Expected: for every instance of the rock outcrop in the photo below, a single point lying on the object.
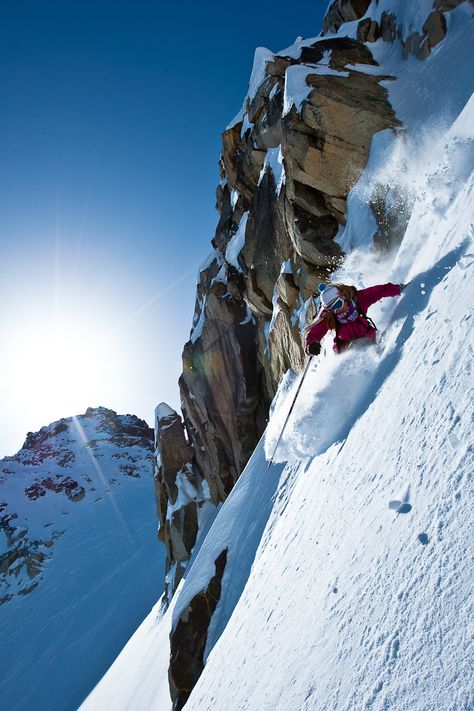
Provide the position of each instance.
(188, 640)
(179, 494)
(289, 161)
(341, 11)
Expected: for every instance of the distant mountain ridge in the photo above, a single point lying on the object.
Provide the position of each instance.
(76, 514)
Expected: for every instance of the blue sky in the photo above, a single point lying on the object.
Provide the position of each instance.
(110, 136)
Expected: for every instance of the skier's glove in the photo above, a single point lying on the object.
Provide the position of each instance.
(313, 349)
(402, 287)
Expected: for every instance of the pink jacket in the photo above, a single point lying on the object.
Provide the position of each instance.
(361, 327)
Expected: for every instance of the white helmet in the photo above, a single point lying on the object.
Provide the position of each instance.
(328, 294)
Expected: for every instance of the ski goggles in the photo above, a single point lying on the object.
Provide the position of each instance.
(336, 305)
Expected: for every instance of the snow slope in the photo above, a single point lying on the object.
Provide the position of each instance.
(132, 681)
(352, 590)
(360, 594)
(80, 563)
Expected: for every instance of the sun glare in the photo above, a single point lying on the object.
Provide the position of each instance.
(69, 344)
(57, 371)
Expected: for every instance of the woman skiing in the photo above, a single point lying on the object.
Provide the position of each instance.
(343, 310)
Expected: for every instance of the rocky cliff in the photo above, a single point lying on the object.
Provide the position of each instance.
(289, 161)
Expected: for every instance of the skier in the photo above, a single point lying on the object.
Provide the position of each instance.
(343, 310)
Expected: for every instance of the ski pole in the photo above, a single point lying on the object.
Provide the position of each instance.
(290, 410)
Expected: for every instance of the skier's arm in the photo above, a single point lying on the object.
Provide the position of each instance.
(314, 334)
(367, 297)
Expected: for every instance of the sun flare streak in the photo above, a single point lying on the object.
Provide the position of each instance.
(102, 477)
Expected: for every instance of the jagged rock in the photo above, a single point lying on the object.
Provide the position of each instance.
(161, 501)
(324, 153)
(207, 274)
(221, 390)
(435, 28)
(226, 218)
(341, 11)
(368, 30)
(284, 346)
(416, 44)
(230, 143)
(173, 472)
(277, 67)
(266, 241)
(308, 198)
(287, 289)
(242, 161)
(188, 638)
(267, 132)
(183, 527)
(343, 51)
(315, 236)
(388, 27)
(255, 297)
(175, 452)
(260, 100)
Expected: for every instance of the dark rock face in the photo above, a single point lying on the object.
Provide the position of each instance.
(175, 476)
(388, 27)
(66, 485)
(266, 243)
(188, 638)
(341, 11)
(435, 28)
(368, 30)
(326, 155)
(432, 33)
(220, 390)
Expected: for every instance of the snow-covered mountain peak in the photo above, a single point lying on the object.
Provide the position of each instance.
(62, 440)
(58, 466)
(77, 529)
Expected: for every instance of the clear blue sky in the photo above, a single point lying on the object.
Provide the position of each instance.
(109, 141)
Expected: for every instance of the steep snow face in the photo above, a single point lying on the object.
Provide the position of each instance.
(131, 682)
(78, 543)
(359, 594)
